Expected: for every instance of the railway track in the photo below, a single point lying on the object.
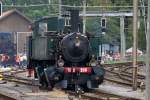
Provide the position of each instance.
(13, 77)
(123, 74)
(120, 77)
(88, 96)
(3, 97)
(95, 94)
(139, 63)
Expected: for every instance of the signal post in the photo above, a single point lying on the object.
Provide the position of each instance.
(134, 51)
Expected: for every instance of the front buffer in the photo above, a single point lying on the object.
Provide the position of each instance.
(85, 77)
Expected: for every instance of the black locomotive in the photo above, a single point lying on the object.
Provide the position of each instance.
(64, 58)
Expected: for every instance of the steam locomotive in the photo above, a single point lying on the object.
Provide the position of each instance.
(63, 57)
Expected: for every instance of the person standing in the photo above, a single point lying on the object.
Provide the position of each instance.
(17, 58)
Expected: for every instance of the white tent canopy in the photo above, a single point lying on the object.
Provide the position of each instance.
(130, 51)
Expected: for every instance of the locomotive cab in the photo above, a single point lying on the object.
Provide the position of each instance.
(42, 46)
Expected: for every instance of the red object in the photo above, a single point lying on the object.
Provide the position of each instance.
(7, 57)
(30, 72)
(77, 69)
(17, 58)
(30, 27)
(2, 57)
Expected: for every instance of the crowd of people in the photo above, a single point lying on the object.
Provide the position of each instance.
(117, 57)
(15, 60)
(21, 59)
(111, 57)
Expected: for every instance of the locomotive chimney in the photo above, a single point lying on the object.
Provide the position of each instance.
(74, 20)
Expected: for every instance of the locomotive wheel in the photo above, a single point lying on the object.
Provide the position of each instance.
(69, 87)
(50, 87)
(46, 86)
(43, 85)
(85, 88)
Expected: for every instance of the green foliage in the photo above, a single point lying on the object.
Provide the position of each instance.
(72, 2)
(93, 25)
(113, 30)
(128, 33)
(142, 37)
(33, 12)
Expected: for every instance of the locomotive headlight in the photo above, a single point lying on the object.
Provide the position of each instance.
(77, 42)
(60, 62)
(93, 61)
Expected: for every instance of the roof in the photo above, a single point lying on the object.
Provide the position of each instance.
(9, 12)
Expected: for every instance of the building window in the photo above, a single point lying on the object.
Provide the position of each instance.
(67, 21)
